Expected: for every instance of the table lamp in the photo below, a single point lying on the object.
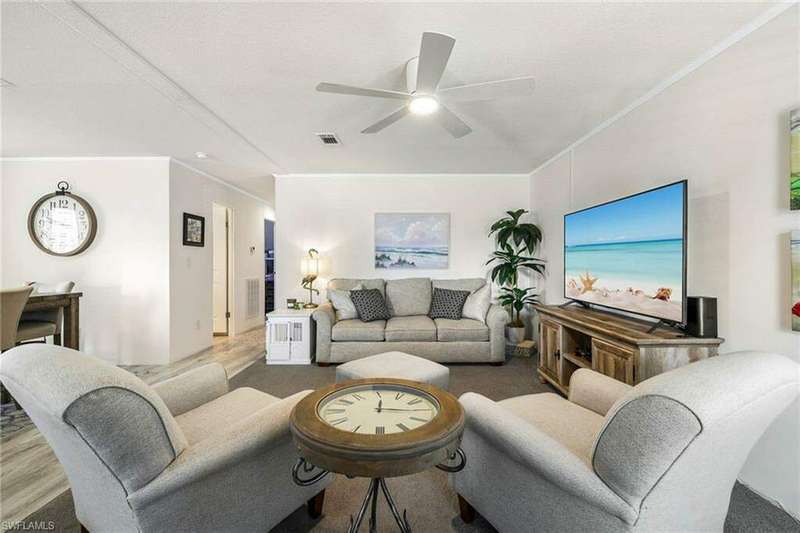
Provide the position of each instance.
(310, 268)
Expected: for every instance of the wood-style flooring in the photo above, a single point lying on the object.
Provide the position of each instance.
(30, 474)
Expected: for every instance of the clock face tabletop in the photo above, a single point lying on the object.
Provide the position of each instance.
(379, 427)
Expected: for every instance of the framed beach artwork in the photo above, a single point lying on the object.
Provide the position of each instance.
(412, 240)
(796, 280)
(794, 162)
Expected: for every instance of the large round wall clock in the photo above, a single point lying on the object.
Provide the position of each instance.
(62, 223)
(379, 427)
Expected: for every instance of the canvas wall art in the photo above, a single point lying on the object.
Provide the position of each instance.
(796, 280)
(794, 163)
(412, 240)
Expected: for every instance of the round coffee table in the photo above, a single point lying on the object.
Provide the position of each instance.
(376, 428)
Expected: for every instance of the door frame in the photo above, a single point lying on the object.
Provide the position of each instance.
(229, 300)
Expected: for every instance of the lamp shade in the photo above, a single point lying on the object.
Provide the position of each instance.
(310, 266)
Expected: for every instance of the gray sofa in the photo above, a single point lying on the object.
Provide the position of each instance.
(661, 456)
(410, 330)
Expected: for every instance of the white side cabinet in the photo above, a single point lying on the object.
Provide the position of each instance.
(291, 337)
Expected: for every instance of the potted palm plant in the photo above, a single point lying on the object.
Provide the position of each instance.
(516, 242)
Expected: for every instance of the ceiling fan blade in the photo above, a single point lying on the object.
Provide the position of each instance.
(450, 121)
(361, 91)
(434, 53)
(488, 91)
(387, 121)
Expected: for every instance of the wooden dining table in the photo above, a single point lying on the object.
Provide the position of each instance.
(70, 302)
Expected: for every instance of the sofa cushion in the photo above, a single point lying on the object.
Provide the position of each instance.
(410, 328)
(408, 297)
(447, 304)
(356, 330)
(575, 427)
(463, 284)
(350, 284)
(218, 415)
(465, 329)
(370, 305)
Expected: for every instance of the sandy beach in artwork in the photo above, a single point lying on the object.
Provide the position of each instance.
(651, 301)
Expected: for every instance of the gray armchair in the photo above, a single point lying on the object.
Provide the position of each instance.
(661, 456)
(187, 454)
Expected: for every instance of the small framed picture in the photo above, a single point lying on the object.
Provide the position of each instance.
(290, 303)
(194, 230)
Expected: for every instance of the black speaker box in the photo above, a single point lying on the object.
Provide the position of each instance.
(701, 316)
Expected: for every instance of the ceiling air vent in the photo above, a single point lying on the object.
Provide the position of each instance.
(329, 139)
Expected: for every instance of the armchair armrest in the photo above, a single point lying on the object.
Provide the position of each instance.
(264, 430)
(325, 317)
(193, 388)
(536, 451)
(595, 391)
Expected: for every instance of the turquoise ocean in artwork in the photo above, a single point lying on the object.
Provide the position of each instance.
(643, 265)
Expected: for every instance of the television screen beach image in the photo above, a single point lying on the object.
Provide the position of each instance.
(412, 240)
(629, 254)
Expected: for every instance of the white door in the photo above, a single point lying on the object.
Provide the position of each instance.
(280, 340)
(221, 246)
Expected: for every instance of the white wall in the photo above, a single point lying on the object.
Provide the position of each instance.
(335, 214)
(724, 128)
(124, 275)
(190, 268)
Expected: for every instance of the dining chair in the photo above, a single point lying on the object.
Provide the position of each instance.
(35, 323)
(12, 302)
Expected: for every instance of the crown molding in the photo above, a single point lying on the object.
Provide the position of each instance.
(84, 24)
(87, 158)
(698, 62)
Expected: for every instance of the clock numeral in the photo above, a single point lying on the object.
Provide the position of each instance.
(379, 394)
(403, 426)
(418, 419)
(380, 430)
(346, 402)
(358, 397)
(332, 410)
(415, 401)
(355, 429)
(399, 395)
(338, 421)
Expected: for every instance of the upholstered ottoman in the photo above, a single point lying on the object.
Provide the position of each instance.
(395, 365)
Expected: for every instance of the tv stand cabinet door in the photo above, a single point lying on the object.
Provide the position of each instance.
(550, 348)
(614, 361)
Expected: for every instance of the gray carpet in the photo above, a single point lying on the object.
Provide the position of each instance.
(430, 502)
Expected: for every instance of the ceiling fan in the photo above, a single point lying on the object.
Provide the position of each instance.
(424, 97)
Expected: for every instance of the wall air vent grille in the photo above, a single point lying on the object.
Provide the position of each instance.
(253, 296)
(328, 139)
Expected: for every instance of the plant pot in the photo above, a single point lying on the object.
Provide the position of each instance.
(515, 335)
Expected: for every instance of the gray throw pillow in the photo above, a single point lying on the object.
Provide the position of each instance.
(478, 303)
(447, 303)
(343, 303)
(370, 305)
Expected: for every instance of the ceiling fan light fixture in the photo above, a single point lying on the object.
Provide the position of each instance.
(423, 105)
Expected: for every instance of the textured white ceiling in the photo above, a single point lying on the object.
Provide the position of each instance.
(255, 66)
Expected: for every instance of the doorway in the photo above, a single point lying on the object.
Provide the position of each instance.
(269, 265)
(222, 260)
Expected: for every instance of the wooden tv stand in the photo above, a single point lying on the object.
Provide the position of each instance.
(620, 347)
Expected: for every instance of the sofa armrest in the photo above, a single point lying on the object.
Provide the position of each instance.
(496, 319)
(258, 434)
(540, 454)
(193, 388)
(325, 317)
(595, 391)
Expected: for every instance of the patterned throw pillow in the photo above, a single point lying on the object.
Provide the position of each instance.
(447, 303)
(370, 305)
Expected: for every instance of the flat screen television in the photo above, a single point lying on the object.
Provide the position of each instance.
(630, 254)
